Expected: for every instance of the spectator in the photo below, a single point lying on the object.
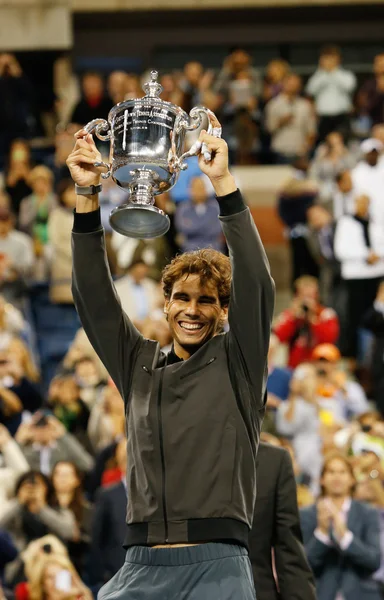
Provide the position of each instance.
(16, 259)
(275, 536)
(117, 86)
(339, 398)
(30, 514)
(362, 264)
(12, 464)
(67, 406)
(194, 84)
(35, 209)
(94, 103)
(323, 227)
(133, 87)
(306, 323)
(15, 104)
(275, 75)
(8, 553)
(361, 122)
(89, 380)
(59, 232)
(341, 537)
(69, 495)
(278, 377)
(171, 91)
(107, 420)
(331, 158)
(374, 90)
(45, 441)
(374, 321)
(46, 581)
(137, 292)
(17, 173)
(295, 197)
(344, 196)
(291, 122)
(238, 61)
(154, 252)
(107, 553)
(368, 178)
(332, 87)
(196, 220)
(298, 420)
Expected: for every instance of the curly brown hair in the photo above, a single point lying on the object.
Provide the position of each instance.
(210, 265)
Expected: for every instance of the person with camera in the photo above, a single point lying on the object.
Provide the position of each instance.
(306, 323)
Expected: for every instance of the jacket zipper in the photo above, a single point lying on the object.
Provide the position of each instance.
(211, 360)
(160, 425)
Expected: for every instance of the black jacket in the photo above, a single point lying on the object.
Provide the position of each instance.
(276, 524)
(193, 426)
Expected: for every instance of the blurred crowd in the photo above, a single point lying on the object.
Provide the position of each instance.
(62, 436)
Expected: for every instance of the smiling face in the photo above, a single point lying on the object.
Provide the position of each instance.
(194, 314)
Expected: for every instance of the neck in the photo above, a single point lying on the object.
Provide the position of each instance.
(64, 498)
(338, 501)
(181, 352)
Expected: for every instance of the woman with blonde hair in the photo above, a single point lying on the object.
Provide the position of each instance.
(55, 578)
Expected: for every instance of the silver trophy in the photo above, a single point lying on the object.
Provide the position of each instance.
(147, 141)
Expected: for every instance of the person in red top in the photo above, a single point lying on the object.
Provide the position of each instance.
(306, 323)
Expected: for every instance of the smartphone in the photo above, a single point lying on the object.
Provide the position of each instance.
(63, 581)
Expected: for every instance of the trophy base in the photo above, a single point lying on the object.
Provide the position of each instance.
(139, 221)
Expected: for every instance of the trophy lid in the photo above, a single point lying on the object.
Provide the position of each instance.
(152, 88)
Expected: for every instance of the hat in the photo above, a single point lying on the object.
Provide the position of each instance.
(327, 352)
(371, 144)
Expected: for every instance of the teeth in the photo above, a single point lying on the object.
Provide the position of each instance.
(191, 325)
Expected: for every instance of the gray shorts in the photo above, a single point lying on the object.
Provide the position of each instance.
(211, 571)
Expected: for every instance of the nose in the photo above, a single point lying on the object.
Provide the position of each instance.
(192, 309)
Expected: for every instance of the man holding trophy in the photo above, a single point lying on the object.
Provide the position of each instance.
(193, 416)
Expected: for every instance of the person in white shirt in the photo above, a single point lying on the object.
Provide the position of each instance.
(368, 177)
(359, 246)
(341, 537)
(332, 87)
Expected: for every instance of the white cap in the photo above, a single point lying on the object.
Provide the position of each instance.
(371, 144)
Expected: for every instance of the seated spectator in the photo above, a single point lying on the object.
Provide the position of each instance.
(154, 252)
(361, 121)
(194, 84)
(298, 420)
(275, 74)
(45, 441)
(107, 420)
(368, 178)
(17, 174)
(291, 122)
(306, 323)
(12, 464)
(59, 232)
(16, 258)
(362, 264)
(278, 377)
(69, 495)
(341, 536)
(238, 61)
(12, 323)
(15, 103)
(155, 327)
(295, 197)
(54, 578)
(373, 320)
(89, 380)
(94, 103)
(332, 157)
(339, 398)
(18, 352)
(197, 222)
(171, 91)
(30, 515)
(117, 84)
(80, 348)
(374, 90)
(137, 292)
(108, 530)
(332, 87)
(67, 406)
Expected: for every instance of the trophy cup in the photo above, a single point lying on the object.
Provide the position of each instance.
(146, 145)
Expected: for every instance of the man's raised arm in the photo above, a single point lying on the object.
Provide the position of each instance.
(108, 328)
(253, 290)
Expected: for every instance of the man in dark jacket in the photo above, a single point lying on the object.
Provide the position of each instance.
(193, 416)
(276, 526)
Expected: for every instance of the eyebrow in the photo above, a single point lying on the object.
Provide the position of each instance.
(177, 295)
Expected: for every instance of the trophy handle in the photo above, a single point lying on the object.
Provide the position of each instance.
(196, 117)
(97, 126)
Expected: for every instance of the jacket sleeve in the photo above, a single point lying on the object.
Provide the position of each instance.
(252, 297)
(315, 549)
(60, 522)
(326, 328)
(294, 574)
(365, 552)
(110, 331)
(285, 326)
(75, 452)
